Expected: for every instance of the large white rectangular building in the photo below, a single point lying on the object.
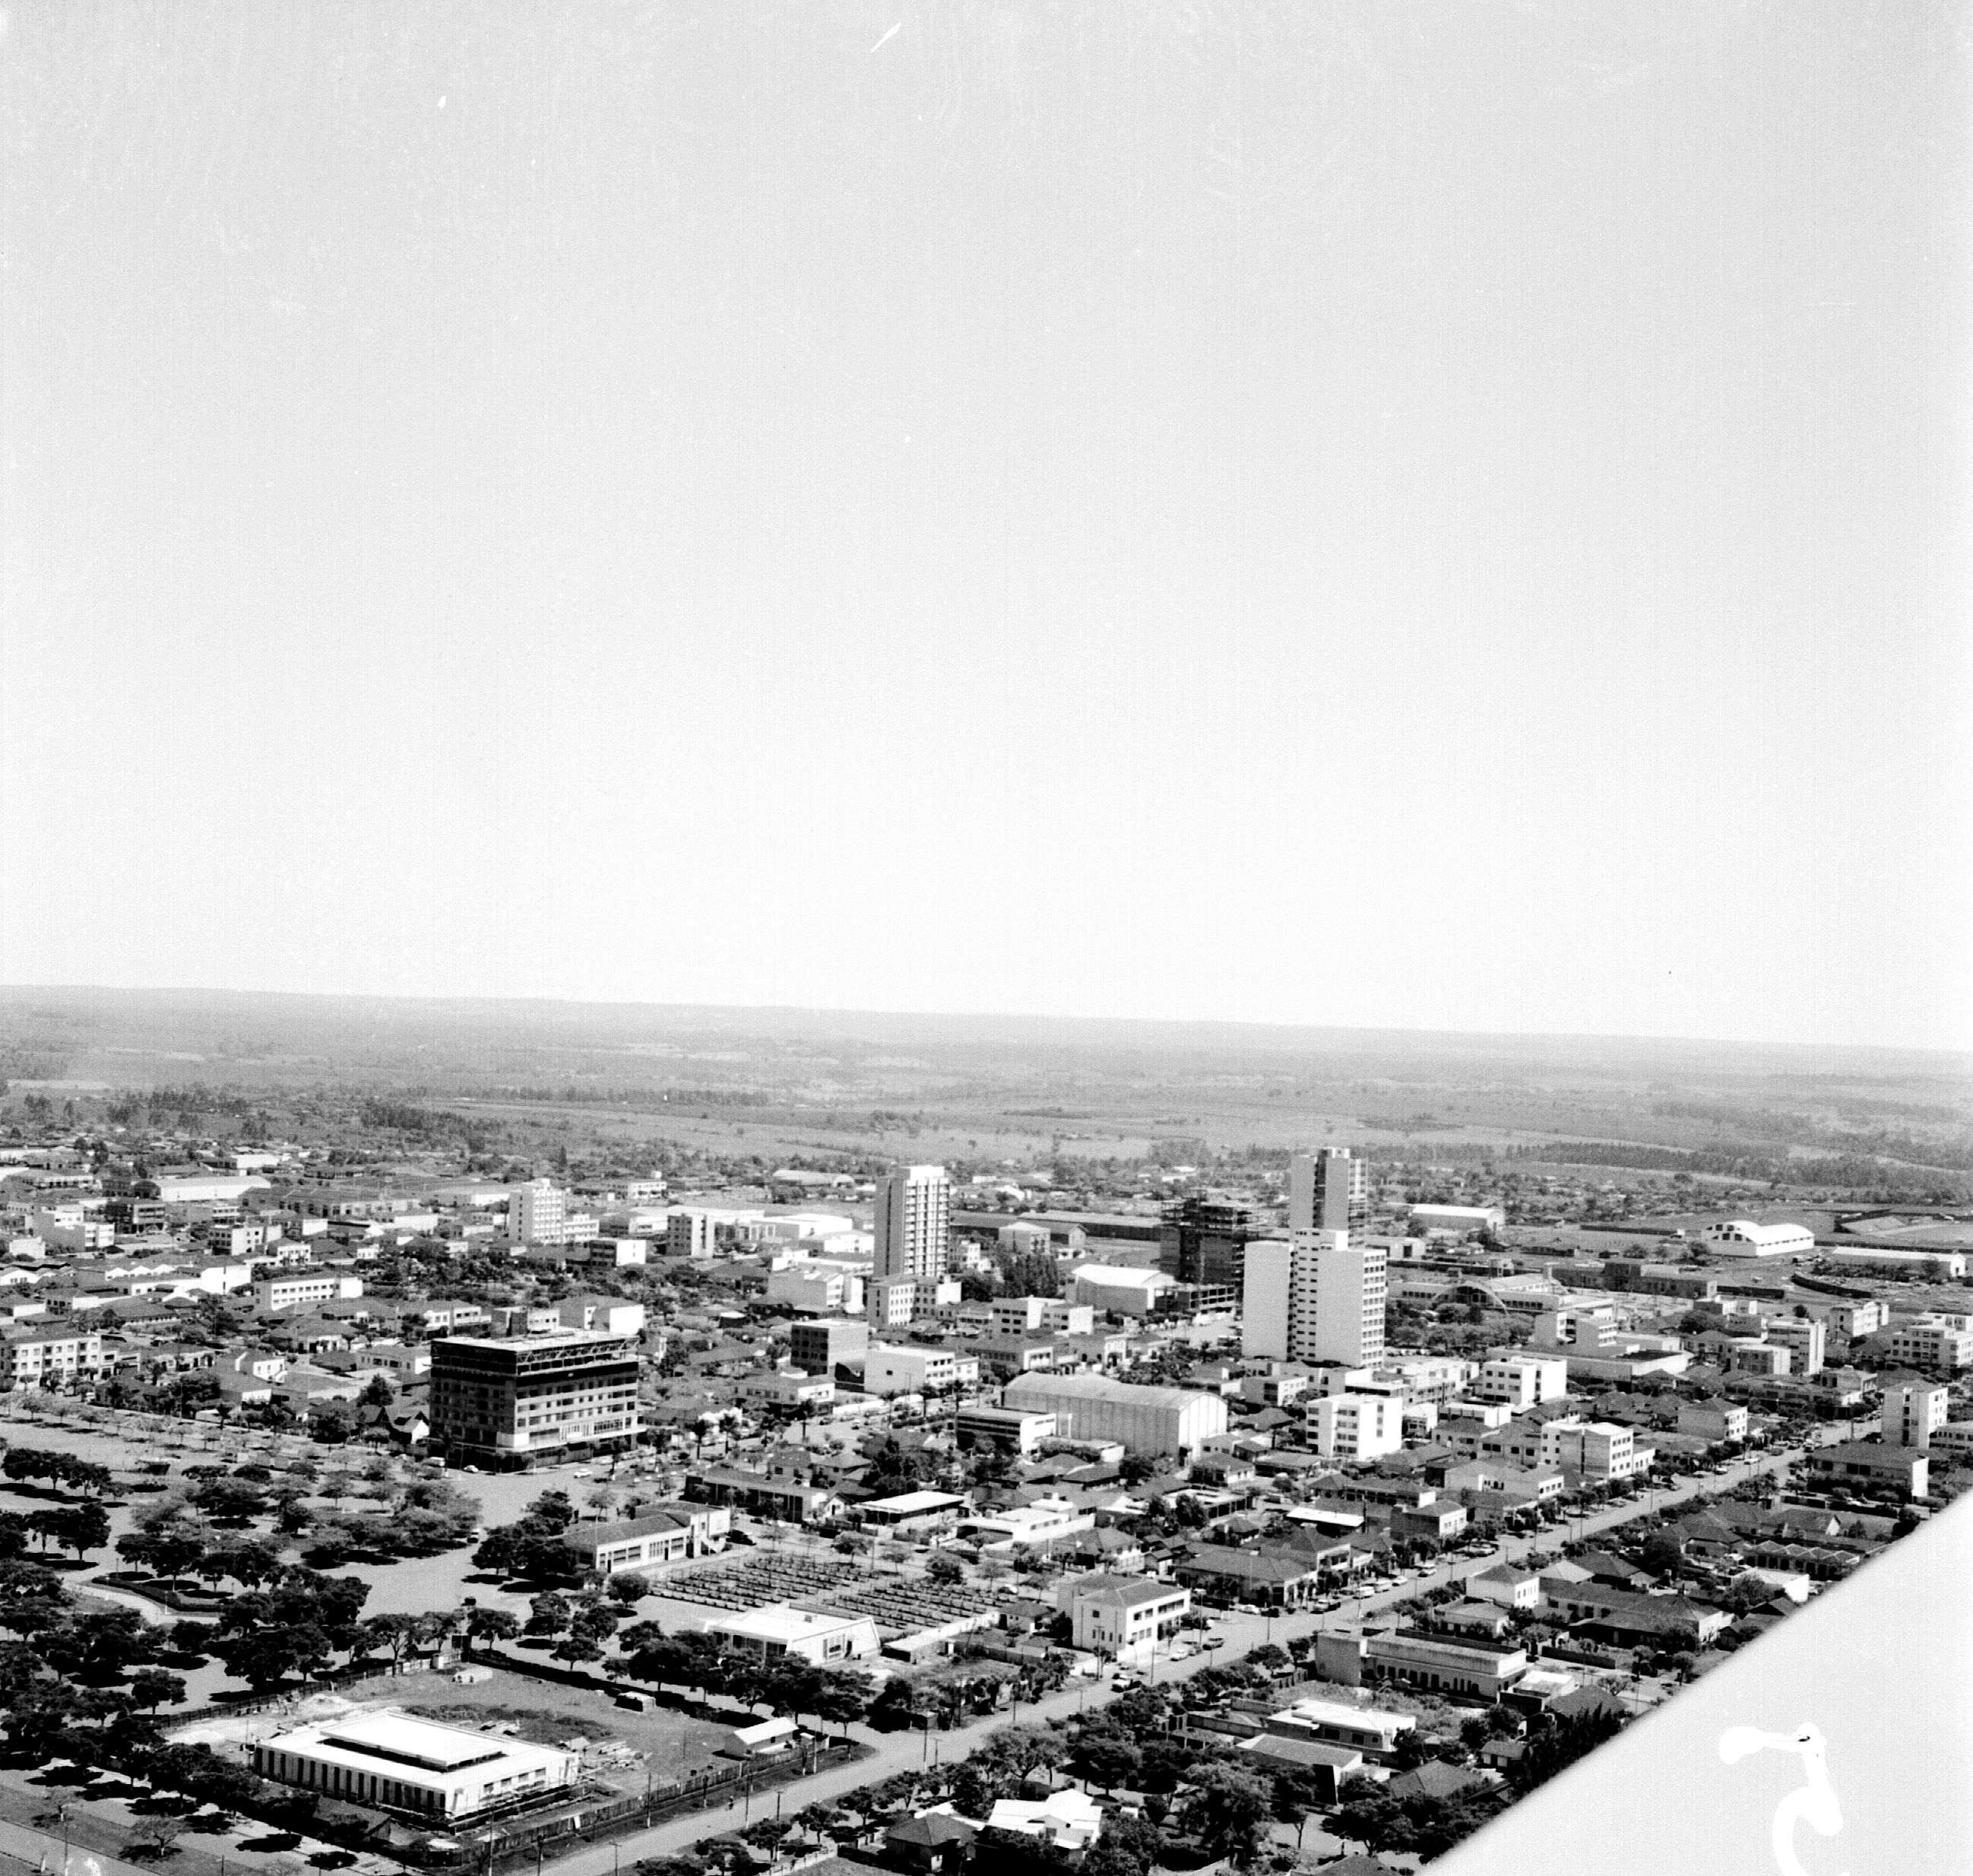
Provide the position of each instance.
(1141, 1419)
(1317, 1297)
(388, 1759)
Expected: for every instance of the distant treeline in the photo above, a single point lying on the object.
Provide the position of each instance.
(646, 1098)
(1754, 1163)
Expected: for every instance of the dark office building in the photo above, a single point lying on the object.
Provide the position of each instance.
(1205, 1240)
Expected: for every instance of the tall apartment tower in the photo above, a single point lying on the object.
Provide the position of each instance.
(1327, 1191)
(913, 1239)
(1314, 1298)
(538, 1213)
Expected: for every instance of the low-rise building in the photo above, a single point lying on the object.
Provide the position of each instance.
(1443, 1666)
(304, 1288)
(1125, 1617)
(1367, 1729)
(1712, 1420)
(1901, 1469)
(819, 1635)
(1007, 1427)
(912, 1514)
(1047, 1521)
(1358, 1427)
(666, 1534)
(391, 1760)
(890, 1369)
(1938, 1346)
(1915, 1409)
(1512, 1586)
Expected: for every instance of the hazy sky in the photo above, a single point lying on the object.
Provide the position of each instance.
(1449, 516)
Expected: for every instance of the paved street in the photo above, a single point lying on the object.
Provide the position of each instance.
(899, 1752)
(439, 1582)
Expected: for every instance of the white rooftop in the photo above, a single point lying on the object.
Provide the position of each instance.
(782, 1623)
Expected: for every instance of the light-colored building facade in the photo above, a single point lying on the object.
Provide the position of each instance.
(393, 1761)
(1126, 1617)
(1144, 1420)
(1742, 1237)
(889, 1370)
(305, 1289)
(1357, 1427)
(1930, 1343)
(1519, 1382)
(538, 1213)
(913, 1235)
(1914, 1410)
(1319, 1298)
(1328, 1191)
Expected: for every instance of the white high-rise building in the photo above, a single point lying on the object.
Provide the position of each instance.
(1317, 1297)
(914, 1238)
(538, 1213)
(1327, 1191)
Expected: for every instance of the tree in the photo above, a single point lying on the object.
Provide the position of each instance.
(548, 1614)
(492, 1625)
(629, 1588)
(1130, 1846)
(1230, 1808)
(842, 1694)
(944, 1568)
(1107, 1760)
(99, 1645)
(152, 1687)
(1555, 1747)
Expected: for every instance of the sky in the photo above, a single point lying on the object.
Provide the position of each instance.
(1425, 515)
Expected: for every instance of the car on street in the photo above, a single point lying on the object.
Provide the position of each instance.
(1212, 1641)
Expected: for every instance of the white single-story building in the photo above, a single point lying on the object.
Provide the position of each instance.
(812, 1635)
(388, 1759)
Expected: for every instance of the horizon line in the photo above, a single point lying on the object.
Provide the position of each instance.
(1963, 1055)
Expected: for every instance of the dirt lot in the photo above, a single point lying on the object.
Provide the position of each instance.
(662, 1742)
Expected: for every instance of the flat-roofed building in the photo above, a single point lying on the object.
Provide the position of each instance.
(1931, 1345)
(1429, 1662)
(1357, 1427)
(389, 1759)
(1914, 1409)
(912, 1514)
(1366, 1730)
(302, 1289)
(891, 1369)
(1008, 1428)
(1147, 1420)
(818, 1636)
(1519, 1382)
(816, 1347)
(511, 1398)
